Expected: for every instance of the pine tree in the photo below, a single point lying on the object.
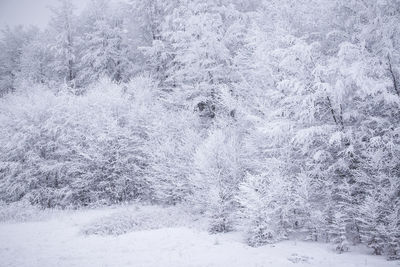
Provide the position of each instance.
(218, 172)
(338, 232)
(393, 235)
(392, 221)
(262, 211)
(372, 224)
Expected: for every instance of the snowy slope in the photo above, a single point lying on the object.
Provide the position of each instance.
(59, 241)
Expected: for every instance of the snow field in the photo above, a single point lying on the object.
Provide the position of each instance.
(69, 238)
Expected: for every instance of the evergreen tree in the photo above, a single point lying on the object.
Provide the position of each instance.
(218, 172)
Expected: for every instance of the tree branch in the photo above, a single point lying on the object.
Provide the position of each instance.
(338, 121)
(395, 84)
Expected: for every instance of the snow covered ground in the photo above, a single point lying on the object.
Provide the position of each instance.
(80, 238)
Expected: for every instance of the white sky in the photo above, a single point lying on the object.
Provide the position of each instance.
(29, 12)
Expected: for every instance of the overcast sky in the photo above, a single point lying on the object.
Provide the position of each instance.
(29, 12)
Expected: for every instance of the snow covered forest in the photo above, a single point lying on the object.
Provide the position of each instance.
(274, 118)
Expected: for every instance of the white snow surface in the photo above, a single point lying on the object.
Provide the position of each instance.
(65, 238)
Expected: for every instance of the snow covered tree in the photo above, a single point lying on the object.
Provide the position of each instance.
(36, 60)
(173, 146)
(393, 228)
(151, 16)
(264, 200)
(218, 173)
(63, 29)
(342, 215)
(103, 44)
(12, 43)
(195, 55)
(373, 224)
(338, 232)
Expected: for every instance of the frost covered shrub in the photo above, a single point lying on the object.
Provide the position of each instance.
(19, 212)
(61, 149)
(139, 219)
(116, 224)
